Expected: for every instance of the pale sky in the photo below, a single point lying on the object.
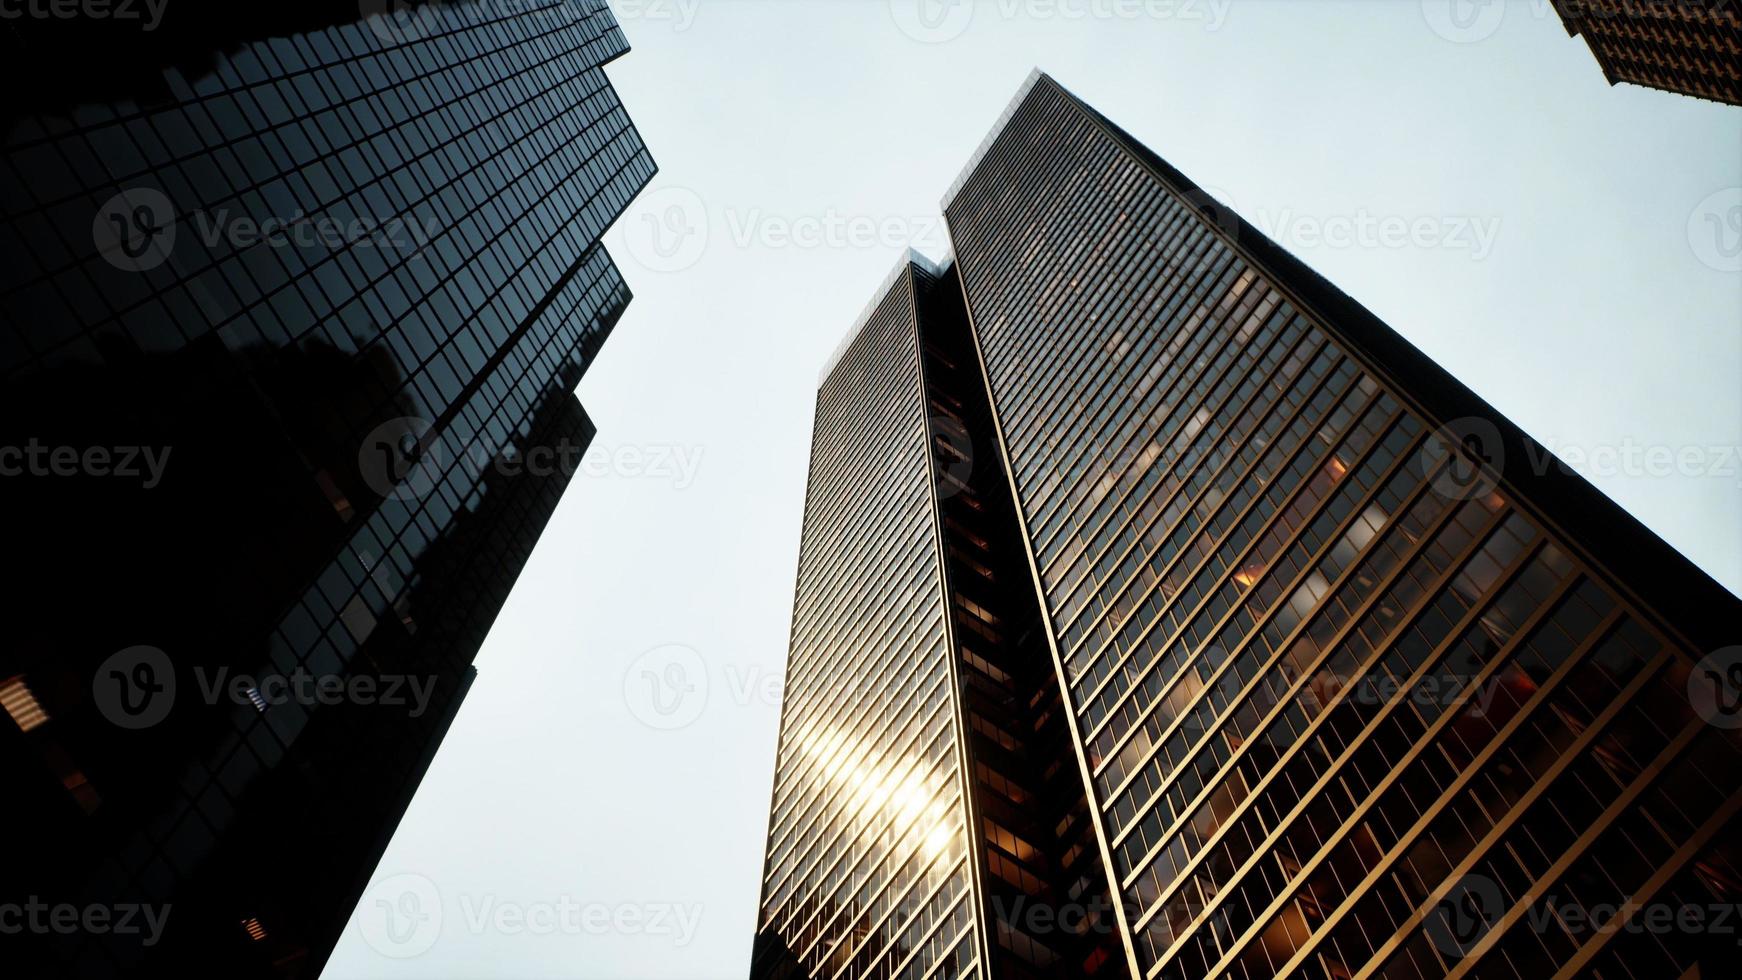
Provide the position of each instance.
(1570, 250)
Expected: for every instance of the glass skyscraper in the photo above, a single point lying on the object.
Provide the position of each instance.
(1354, 684)
(293, 305)
(921, 714)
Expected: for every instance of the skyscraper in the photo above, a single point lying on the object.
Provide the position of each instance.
(921, 710)
(1691, 47)
(293, 307)
(1357, 681)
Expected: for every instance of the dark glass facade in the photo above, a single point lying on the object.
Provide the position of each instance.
(1048, 911)
(1691, 47)
(1352, 688)
(326, 285)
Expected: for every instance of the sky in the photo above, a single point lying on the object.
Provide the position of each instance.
(1571, 251)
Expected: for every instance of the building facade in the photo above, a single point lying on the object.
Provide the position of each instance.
(1692, 47)
(926, 801)
(293, 309)
(1355, 684)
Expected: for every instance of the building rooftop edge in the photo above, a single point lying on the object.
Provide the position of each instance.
(909, 257)
(914, 256)
(1003, 120)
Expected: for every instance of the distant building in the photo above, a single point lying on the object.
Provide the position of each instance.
(1355, 680)
(1692, 47)
(288, 296)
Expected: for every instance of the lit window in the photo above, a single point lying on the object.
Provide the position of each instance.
(21, 704)
(254, 929)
